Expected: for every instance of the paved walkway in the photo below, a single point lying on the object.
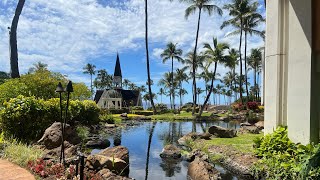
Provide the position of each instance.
(10, 171)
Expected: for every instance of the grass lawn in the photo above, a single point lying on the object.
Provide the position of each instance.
(182, 116)
(243, 142)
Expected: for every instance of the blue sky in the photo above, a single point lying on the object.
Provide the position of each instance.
(67, 34)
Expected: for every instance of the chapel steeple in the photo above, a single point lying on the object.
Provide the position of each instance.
(117, 76)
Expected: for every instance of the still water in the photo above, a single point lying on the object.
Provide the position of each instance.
(146, 140)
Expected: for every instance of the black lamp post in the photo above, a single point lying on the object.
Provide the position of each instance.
(69, 89)
(60, 90)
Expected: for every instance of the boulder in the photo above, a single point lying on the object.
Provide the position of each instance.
(245, 124)
(205, 136)
(106, 174)
(110, 125)
(199, 169)
(222, 132)
(119, 152)
(170, 151)
(224, 118)
(125, 115)
(97, 162)
(260, 125)
(98, 143)
(52, 136)
(70, 150)
(249, 129)
(187, 138)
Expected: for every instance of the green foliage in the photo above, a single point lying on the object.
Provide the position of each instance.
(3, 77)
(20, 153)
(283, 159)
(108, 118)
(252, 118)
(83, 132)
(137, 108)
(145, 113)
(26, 118)
(41, 84)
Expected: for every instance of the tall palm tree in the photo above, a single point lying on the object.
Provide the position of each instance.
(181, 76)
(126, 83)
(161, 92)
(166, 82)
(231, 62)
(90, 69)
(214, 54)
(171, 53)
(149, 147)
(147, 57)
(219, 88)
(199, 91)
(182, 92)
(255, 62)
(205, 6)
(13, 41)
(39, 66)
(237, 10)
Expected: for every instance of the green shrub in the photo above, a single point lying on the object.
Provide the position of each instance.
(118, 111)
(137, 108)
(26, 118)
(283, 159)
(252, 118)
(83, 132)
(145, 113)
(108, 118)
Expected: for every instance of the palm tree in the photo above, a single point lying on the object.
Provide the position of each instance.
(90, 69)
(255, 62)
(231, 62)
(237, 10)
(39, 66)
(161, 92)
(147, 57)
(166, 82)
(171, 53)
(148, 148)
(205, 6)
(219, 88)
(103, 80)
(216, 55)
(182, 92)
(126, 83)
(181, 76)
(132, 86)
(199, 91)
(13, 41)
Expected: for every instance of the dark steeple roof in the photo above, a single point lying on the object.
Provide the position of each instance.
(117, 69)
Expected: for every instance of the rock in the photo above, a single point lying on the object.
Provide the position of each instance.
(52, 136)
(120, 152)
(249, 129)
(260, 125)
(224, 118)
(97, 162)
(69, 151)
(98, 143)
(245, 124)
(222, 132)
(187, 138)
(110, 125)
(170, 151)
(205, 136)
(106, 174)
(125, 115)
(199, 169)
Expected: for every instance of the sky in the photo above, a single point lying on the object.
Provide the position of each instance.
(68, 34)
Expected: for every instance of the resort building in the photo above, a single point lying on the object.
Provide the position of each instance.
(292, 68)
(117, 98)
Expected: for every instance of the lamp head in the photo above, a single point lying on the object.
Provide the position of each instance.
(59, 88)
(69, 87)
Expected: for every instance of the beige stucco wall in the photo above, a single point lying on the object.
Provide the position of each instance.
(299, 70)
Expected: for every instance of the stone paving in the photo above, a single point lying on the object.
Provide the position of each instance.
(10, 171)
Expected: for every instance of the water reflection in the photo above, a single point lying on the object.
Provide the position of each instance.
(146, 140)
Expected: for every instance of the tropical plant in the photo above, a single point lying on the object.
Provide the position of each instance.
(126, 83)
(181, 76)
(39, 66)
(147, 57)
(171, 53)
(161, 92)
(166, 82)
(103, 80)
(255, 62)
(205, 6)
(90, 69)
(3, 77)
(214, 55)
(13, 41)
(231, 62)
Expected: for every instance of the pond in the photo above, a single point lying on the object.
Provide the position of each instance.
(145, 142)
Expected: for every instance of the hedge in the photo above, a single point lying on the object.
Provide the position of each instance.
(26, 118)
(145, 113)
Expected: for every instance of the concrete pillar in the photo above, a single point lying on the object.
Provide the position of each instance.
(275, 69)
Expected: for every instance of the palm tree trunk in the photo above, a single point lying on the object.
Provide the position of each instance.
(91, 84)
(147, 55)
(172, 80)
(240, 45)
(13, 41)
(235, 84)
(161, 98)
(194, 65)
(245, 64)
(255, 84)
(211, 88)
(180, 94)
